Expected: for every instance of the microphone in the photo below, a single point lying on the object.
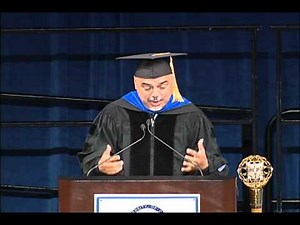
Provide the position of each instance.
(174, 150)
(143, 127)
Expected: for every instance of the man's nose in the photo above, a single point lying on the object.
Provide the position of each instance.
(155, 98)
(155, 93)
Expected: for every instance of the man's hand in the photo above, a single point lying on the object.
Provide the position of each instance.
(197, 157)
(111, 166)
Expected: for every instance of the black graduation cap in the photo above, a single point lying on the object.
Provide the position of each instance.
(153, 65)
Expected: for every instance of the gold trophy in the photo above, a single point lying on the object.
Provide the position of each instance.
(255, 172)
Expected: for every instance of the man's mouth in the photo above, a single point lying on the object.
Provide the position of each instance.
(155, 102)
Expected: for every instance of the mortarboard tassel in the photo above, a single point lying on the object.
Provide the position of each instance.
(178, 97)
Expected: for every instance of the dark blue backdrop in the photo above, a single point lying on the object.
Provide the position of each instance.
(217, 72)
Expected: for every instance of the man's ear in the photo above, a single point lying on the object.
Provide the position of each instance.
(135, 83)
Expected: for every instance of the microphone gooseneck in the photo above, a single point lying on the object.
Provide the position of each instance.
(143, 127)
(174, 150)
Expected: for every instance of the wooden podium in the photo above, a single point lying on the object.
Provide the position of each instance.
(217, 194)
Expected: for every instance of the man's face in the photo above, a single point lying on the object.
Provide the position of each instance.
(154, 92)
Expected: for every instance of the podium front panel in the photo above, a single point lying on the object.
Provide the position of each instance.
(216, 194)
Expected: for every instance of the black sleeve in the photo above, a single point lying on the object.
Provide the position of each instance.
(101, 133)
(218, 165)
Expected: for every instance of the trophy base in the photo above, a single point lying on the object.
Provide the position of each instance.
(256, 197)
(258, 210)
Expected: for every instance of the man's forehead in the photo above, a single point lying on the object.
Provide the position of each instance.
(157, 80)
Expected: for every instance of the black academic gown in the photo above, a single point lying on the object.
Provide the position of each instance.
(119, 124)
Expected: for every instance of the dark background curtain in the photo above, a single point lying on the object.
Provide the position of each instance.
(216, 72)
